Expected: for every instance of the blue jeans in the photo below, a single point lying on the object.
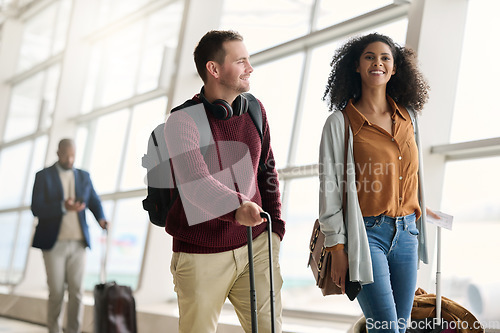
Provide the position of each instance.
(387, 302)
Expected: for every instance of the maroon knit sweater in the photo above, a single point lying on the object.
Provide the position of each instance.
(236, 139)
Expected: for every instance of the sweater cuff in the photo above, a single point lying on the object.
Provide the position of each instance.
(337, 247)
(279, 229)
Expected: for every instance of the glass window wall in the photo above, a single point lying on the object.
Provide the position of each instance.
(123, 245)
(111, 10)
(273, 22)
(45, 34)
(276, 85)
(145, 118)
(14, 164)
(470, 192)
(475, 116)
(470, 251)
(8, 223)
(32, 104)
(106, 145)
(334, 12)
(133, 60)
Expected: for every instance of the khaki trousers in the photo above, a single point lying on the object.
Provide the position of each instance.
(203, 282)
(65, 267)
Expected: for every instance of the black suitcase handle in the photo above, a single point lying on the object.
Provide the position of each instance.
(253, 297)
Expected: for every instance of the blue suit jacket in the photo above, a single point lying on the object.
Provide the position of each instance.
(47, 205)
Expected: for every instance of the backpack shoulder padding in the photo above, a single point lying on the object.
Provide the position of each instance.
(255, 112)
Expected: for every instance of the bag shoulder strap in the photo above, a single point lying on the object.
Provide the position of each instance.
(346, 147)
(186, 104)
(255, 112)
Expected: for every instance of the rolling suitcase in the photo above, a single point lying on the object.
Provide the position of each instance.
(114, 304)
(253, 296)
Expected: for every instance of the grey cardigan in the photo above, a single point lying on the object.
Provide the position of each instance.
(353, 236)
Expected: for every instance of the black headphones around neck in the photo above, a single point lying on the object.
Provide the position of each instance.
(222, 109)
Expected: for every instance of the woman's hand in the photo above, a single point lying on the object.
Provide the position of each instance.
(431, 213)
(339, 268)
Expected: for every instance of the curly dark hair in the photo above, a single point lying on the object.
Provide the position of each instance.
(407, 87)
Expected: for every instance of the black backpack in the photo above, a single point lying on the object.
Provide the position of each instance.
(162, 192)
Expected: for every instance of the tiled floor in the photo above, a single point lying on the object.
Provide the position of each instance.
(8, 325)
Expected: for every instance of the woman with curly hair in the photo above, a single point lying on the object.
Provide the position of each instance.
(377, 84)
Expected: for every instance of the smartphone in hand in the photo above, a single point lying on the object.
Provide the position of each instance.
(352, 288)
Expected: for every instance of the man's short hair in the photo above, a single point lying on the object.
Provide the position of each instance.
(210, 48)
(65, 143)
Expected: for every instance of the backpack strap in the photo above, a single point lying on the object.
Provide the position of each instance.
(255, 112)
(204, 140)
(186, 104)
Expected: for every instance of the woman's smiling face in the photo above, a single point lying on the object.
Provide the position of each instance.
(376, 64)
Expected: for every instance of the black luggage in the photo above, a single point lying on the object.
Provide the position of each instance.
(114, 304)
(253, 296)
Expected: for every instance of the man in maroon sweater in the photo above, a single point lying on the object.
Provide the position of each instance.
(221, 191)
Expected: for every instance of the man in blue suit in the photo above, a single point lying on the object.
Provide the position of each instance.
(60, 195)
